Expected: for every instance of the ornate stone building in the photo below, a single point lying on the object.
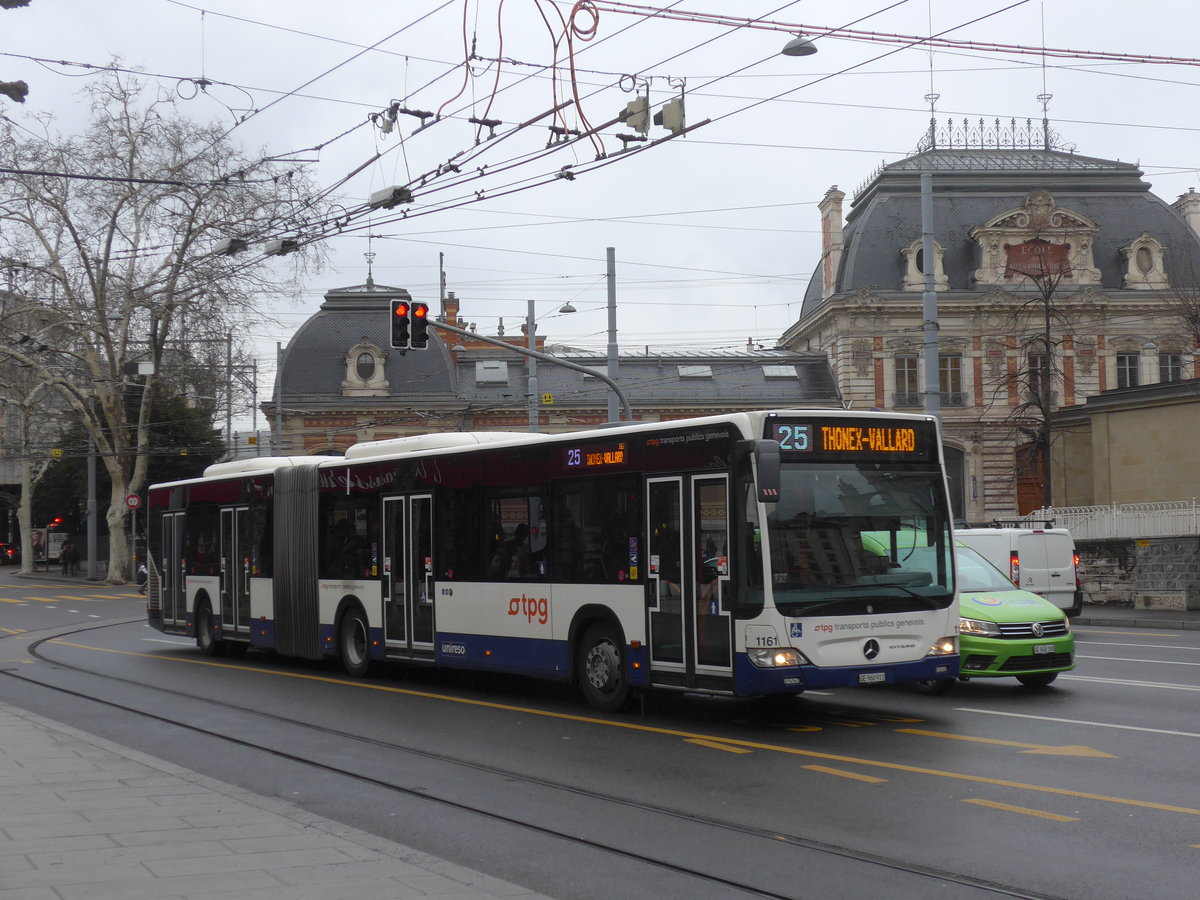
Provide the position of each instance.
(1057, 276)
(340, 382)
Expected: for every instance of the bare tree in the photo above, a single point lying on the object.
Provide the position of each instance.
(115, 235)
(1037, 326)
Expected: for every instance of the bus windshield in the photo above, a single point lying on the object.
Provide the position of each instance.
(845, 537)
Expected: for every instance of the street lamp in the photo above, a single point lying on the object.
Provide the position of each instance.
(531, 344)
(799, 46)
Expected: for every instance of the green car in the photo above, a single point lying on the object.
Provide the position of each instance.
(1005, 631)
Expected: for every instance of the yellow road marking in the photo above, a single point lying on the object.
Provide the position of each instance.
(45, 599)
(870, 779)
(717, 745)
(73, 597)
(13, 630)
(10, 600)
(1041, 749)
(1023, 810)
(668, 732)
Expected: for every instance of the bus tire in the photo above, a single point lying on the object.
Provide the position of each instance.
(354, 642)
(206, 632)
(601, 668)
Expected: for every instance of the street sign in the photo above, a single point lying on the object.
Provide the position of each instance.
(133, 501)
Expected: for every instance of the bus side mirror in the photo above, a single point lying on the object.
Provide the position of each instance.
(766, 462)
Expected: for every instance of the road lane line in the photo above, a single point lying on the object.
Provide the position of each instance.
(1145, 634)
(649, 729)
(842, 773)
(1150, 646)
(1164, 685)
(1155, 662)
(1044, 749)
(1023, 810)
(996, 712)
(717, 745)
(10, 600)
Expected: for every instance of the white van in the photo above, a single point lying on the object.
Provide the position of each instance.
(1040, 560)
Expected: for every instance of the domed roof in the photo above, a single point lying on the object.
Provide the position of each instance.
(314, 362)
(973, 186)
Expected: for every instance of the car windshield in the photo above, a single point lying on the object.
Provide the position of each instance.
(841, 535)
(976, 574)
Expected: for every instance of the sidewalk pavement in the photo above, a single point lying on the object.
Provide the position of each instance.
(1128, 617)
(82, 818)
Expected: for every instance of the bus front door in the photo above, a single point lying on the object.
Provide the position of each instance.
(688, 580)
(408, 574)
(235, 569)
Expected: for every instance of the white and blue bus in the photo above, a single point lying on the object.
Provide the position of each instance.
(725, 555)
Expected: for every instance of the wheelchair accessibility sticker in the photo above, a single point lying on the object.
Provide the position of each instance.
(796, 629)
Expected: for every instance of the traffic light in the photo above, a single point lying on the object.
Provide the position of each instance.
(637, 114)
(671, 116)
(400, 312)
(419, 320)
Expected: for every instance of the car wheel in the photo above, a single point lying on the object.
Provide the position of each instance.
(1037, 679)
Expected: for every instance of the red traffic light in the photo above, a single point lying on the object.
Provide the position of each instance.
(420, 326)
(400, 309)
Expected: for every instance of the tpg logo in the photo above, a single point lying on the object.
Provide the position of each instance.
(532, 608)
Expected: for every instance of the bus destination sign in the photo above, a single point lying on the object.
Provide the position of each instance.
(850, 438)
(595, 457)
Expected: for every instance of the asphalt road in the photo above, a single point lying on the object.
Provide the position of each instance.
(1085, 789)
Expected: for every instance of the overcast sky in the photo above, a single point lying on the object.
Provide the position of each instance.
(716, 232)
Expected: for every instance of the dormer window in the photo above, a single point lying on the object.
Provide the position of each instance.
(1144, 268)
(365, 371)
(914, 267)
(365, 366)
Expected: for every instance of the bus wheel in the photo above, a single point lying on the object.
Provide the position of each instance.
(602, 669)
(354, 643)
(934, 687)
(206, 632)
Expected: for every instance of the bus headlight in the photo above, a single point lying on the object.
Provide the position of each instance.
(775, 657)
(947, 646)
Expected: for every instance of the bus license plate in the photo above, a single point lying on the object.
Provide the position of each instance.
(1043, 648)
(872, 677)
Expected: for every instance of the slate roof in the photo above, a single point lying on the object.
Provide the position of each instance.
(314, 367)
(973, 186)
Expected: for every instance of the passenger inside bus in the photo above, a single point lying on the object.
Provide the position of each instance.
(512, 558)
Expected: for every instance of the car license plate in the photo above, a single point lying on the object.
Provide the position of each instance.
(872, 677)
(1043, 648)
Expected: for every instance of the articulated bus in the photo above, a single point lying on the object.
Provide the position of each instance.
(751, 554)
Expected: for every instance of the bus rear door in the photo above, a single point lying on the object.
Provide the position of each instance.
(688, 580)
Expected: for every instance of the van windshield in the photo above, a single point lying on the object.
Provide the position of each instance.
(845, 537)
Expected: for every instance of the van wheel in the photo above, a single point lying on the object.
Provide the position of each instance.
(354, 643)
(934, 687)
(601, 669)
(1037, 680)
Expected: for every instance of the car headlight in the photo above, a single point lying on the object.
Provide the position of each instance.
(775, 657)
(978, 627)
(947, 646)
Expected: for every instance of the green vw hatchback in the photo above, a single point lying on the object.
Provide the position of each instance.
(1005, 631)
